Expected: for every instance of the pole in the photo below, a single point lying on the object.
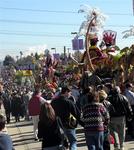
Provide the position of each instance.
(64, 51)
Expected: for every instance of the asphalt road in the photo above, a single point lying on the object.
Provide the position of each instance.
(22, 136)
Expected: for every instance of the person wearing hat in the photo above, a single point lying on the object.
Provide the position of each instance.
(103, 99)
(95, 52)
(130, 96)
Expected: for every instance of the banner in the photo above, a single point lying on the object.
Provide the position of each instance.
(77, 44)
(24, 73)
(25, 67)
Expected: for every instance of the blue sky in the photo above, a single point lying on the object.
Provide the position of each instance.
(36, 24)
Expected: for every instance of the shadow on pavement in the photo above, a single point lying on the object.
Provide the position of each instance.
(24, 141)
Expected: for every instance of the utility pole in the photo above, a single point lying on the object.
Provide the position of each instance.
(64, 52)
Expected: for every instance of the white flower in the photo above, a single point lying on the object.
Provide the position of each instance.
(90, 14)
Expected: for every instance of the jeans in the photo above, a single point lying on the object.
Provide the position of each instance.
(94, 140)
(71, 135)
(35, 120)
(117, 129)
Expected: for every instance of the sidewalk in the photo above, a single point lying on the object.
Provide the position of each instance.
(22, 136)
(23, 139)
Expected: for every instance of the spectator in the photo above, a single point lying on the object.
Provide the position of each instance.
(34, 109)
(109, 108)
(118, 117)
(94, 117)
(75, 92)
(130, 96)
(48, 128)
(6, 101)
(5, 139)
(16, 106)
(63, 107)
(83, 98)
(25, 98)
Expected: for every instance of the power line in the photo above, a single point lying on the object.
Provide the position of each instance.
(55, 11)
(37, 10)
(36, 22)
(32, 34)
(51, 23)
(16, 33)
(42, 33)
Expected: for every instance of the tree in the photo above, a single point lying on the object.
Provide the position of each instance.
(8, 60)
(37, 56)
(21, 54)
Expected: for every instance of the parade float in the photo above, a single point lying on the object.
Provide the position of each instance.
(103, 57)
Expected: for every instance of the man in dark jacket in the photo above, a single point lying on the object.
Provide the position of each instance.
(6, 101)
(122, 109)
(130, 96)
(63, 108)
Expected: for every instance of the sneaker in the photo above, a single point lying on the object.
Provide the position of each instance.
(36, 139)
(122, 148)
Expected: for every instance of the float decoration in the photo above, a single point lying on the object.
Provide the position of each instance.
(94, 21)
(109, 38)
(129, 32)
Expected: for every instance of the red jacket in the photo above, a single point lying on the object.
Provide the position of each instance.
(34, 105)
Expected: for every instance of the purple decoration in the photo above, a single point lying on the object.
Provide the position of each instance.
(56, 56)
(77, 44)
(81, 46)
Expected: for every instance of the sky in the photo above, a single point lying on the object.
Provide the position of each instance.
(36, 25)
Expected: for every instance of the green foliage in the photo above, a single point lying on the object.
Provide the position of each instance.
(37, 56)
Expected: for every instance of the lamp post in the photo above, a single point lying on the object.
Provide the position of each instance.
(54, 49)
(68, 51)
(74, 33)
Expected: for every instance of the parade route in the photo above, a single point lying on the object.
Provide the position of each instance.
(22, 136)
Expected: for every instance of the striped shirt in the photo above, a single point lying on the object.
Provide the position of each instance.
(94, 117)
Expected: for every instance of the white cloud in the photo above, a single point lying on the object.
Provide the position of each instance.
(35, 49)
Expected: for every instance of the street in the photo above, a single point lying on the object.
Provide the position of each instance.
(22, 136)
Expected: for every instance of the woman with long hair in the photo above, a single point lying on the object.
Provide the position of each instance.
(48, 128)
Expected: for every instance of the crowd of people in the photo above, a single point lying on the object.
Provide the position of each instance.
(102, 109)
